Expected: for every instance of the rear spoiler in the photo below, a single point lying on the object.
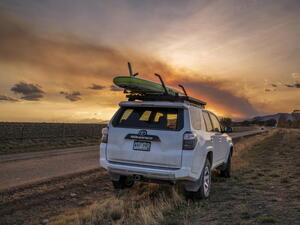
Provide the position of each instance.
(153, 104)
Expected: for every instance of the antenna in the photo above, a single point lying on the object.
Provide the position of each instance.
(183, 89)
(130, 70)
(162, 83)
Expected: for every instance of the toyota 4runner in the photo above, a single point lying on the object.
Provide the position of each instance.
(165, 141)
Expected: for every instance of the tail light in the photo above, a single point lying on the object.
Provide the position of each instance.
(104, 137)
(189, 140)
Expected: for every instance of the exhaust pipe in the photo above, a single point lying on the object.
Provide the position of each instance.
(137, 177)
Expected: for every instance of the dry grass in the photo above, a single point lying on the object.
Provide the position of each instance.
(233, 201)
(264, 188)
(245, 128)
(243, 146)
(145, 204)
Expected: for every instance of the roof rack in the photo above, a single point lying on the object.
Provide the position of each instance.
(165, 96)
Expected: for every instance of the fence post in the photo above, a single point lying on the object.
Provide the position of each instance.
(63, 136)
(22, 132)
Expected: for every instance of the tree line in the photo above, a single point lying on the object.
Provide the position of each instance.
(282, 122)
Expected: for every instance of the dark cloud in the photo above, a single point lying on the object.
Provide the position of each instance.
(274, 85)
(29, 92)
(289, 85)
(68, 55)
(96, 87)
(7, 98)
(115, 88)
(213, 93)
(267, 90)
(296, 85)
(73, 96)
(20, 44)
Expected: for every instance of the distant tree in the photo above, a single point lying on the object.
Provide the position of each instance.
(245, 123)
(282, 121)
(296, 124)
(261, 123)
(296, 119)
(226, 122)
(270, 122)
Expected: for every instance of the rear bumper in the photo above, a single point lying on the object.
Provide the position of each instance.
(184, 173)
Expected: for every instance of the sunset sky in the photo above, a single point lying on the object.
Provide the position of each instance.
(58, 57)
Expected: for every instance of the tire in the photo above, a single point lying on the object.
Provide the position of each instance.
(226, 171)
(123, 182)
(129, 182)
(204, 190)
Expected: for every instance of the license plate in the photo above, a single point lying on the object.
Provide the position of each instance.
(141, 145)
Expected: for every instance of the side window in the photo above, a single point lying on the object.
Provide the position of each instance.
(171, 121)
(216, 124)
(195, 118)
(207, 121)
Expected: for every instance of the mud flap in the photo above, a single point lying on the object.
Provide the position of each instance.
(224, 165)
(194, 186)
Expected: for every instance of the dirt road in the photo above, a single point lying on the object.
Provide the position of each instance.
(30, 170)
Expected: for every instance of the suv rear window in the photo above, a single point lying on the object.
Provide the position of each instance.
(149, 118)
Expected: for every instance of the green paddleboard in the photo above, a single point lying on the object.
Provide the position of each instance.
(137, 85)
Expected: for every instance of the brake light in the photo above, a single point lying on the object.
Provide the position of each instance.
(189, 140)
(104, 137)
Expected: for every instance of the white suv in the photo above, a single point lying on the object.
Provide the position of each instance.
(162, 141)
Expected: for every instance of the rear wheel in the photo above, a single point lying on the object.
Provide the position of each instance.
(204, 190)
(226, 170)
(123, 182)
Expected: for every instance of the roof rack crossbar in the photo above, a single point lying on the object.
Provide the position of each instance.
(163, 97)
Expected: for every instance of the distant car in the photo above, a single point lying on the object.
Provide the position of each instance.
(161, 141)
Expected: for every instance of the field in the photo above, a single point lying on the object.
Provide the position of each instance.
(32, 145)
(264, 189)
(29, 137)
(245, 128)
